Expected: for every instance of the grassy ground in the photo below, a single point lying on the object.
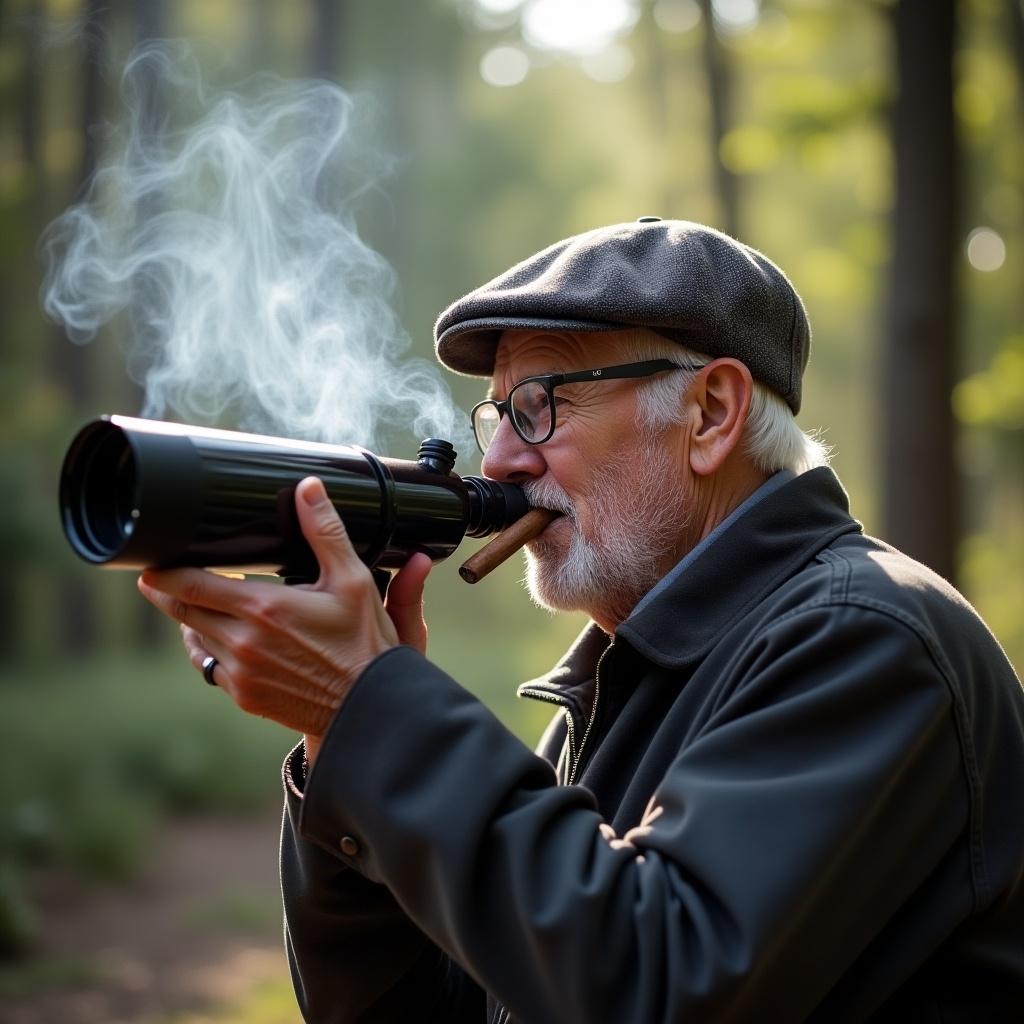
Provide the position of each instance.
(98, 762)
(195, 935)
(95, 756)
(271, 1002)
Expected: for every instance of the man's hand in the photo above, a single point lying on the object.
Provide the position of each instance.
(291, 654)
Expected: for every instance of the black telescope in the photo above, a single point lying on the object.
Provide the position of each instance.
(138, 493)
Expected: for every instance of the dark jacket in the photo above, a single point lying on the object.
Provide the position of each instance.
(796, 795)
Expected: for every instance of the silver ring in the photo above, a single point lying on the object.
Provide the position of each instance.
(210, 663)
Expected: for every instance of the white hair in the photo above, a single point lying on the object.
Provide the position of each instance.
(772, 438)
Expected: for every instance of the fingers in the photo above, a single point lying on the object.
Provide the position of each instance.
(323, 529)
(204, 589)
(188, 608)
(199, 648)
(405, 601)
(193, 642)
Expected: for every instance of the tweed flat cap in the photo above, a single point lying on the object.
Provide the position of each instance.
(685, 281)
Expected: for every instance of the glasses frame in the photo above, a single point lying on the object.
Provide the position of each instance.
(550, 381)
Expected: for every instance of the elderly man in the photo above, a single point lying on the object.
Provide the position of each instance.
(783, 778)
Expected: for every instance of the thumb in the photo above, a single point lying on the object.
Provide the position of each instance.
(324, 531)
(405, 601)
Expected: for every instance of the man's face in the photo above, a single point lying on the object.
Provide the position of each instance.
(622, 487)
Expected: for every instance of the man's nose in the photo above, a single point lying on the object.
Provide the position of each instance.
(510, 459)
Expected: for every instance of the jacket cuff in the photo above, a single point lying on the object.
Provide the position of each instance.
(404, 721)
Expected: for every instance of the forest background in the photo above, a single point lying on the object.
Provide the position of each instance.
(875, 150)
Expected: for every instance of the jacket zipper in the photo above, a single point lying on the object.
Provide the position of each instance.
(575, 754)
(593, 713)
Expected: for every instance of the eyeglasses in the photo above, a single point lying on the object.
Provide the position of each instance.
(531, 402)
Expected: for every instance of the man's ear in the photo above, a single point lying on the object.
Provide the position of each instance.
(720, 396)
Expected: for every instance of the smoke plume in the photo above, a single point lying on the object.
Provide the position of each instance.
(223, 232)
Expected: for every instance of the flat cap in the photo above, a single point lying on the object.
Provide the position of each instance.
(685, 281)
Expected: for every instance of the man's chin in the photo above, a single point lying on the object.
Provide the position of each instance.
(545, 582)
(541, 566)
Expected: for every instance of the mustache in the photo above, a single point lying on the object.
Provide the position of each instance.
(545, 493)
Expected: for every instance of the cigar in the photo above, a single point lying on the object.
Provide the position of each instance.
(505, 545)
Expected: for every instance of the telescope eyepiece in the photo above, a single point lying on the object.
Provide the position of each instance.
(438, 455)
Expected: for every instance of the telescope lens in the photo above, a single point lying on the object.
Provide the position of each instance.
(103, 517)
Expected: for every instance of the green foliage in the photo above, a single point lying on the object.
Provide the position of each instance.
(95, 755)
(47, 974)
(18, 927)
(998, 592)
(994, 397)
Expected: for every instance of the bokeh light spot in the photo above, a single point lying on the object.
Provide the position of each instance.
(577, 26)
(677, 15)
(986, 251)
(499, 6)
(736, 15)
(504, 66)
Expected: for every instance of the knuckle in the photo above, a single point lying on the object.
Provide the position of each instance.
(332, 527)
(246, 647)
(357, 585)
(263, 611)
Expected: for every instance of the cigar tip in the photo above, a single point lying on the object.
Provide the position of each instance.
(468, 575)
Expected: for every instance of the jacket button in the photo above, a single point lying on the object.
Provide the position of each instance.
(349, 846)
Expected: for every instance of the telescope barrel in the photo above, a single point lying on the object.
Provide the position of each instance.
(138, 493)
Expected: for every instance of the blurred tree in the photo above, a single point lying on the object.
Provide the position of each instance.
(24, 213)
(921, 496)
(718, 75)
(261, 36)
(328, 32)
(73, 365)
(30, 121)
(1015, 13)
(150, 22)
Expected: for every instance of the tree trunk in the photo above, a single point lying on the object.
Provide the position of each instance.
(1015, 12)
(261, 35)
(14, 548)
(73, 364)
(653, 62)
(326, 40)
(150, 23)
(718, 76)
(921, 495)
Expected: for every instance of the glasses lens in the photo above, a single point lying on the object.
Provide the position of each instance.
(531, 410)
(485, 424)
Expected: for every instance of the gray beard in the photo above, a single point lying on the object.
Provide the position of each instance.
(640, 512)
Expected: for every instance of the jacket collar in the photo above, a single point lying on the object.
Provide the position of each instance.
(753, 556)
(574, 674)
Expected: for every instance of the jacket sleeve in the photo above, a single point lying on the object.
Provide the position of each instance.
(822, 792)
(353, 954)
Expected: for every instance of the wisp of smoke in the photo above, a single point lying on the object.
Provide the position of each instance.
(230, 243)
